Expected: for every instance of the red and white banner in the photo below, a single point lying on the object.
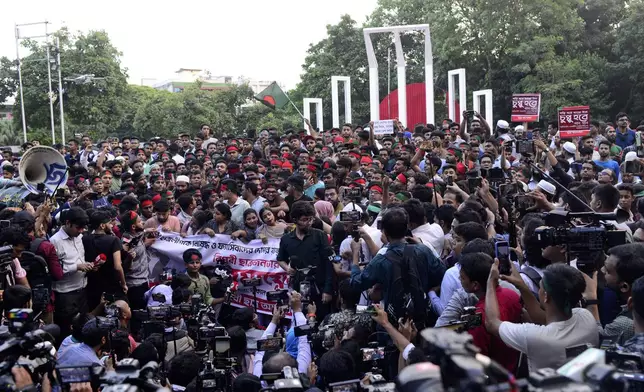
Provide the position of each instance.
(574, 121)
(251, 260)
(526, 107)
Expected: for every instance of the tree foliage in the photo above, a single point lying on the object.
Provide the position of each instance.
(111, 107)
(573, 52)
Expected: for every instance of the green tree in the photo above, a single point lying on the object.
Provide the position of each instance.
(342, 53)
(9, 136)
(93, 106)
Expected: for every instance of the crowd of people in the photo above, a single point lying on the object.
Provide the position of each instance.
(402, 232)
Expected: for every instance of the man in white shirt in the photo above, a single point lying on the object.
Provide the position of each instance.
(564, 326)
(70, 290)
(237, 205)
(428, 235)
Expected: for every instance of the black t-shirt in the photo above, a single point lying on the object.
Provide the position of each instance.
(96, 244)
(290, 200)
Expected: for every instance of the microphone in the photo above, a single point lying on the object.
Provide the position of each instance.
(100, 259)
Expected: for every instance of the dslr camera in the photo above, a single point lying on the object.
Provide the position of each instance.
(469, 319)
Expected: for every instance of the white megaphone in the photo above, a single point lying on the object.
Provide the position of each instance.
(43, 169)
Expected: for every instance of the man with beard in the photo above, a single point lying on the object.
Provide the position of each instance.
(332, 196)
(624, 136)
(604, 160)
(181, 185)
(625, 263)
(162, 220)
(307, 247)
(611, 135)
(117, 170)
(312, 182)
(103, 249)
(230, 194)
(588, 171)
(135, 255)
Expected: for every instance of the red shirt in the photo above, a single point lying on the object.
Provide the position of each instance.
(493, 346)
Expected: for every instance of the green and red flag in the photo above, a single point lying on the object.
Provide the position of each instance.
(273, 97)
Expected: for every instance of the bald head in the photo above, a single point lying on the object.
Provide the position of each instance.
(126, 312)
(277, 362)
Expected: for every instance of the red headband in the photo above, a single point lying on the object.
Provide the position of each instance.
(232, 148)
(401, 177)
(354, 154)
(365, 159)
(376, 188)
(311, 168)
(276, 162)
(338, 139)
(156, 198)
(146, 203)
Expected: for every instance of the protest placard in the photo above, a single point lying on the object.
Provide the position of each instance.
(526, 107)
(383, 127)
(574, 121)
(252, 260)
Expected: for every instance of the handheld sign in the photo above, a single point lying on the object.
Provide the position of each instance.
(574, 121)
(526, 107)
(383, 127)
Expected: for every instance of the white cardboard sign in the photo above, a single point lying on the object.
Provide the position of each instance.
(383, 127)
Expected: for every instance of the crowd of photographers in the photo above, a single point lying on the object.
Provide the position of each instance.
(522, 240)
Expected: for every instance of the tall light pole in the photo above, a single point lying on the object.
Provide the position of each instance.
(60, 91)
(50, 94)
(22, 99)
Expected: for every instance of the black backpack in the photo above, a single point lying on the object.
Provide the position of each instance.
(36, 266)
(407, 297)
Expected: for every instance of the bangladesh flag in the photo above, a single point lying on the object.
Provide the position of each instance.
(273, 97)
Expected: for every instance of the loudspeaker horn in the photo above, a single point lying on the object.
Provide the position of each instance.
(43, 169)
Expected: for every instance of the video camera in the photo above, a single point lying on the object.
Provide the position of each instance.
(584, 242)
(287, 380)
(127, 375)
(324, 335)
(21, 342)
(376, 383)
(469, 319)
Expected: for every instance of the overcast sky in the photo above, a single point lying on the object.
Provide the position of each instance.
(255, 38)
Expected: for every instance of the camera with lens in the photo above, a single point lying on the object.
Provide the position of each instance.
(468, 320)
(525, 146)
(353, 192)
(376, 383)
(287, 380)
(252, 282)
(127, 375)
(350, 216)
(279, 296)
(324, 335)
(588, 243)
(21, 342)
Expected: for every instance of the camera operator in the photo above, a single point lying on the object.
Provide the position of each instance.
(45, 249)
(565, 326)
(303, 359)
(625, 264)
(78, 322)
(248, 320)
(462, 235)
(429, 268)
(605, 199)
(16, 297)
(19, 240)
(347, 317)
(474, 273)
(401, 337)
(183, 369)
(307, 247)
(94, 339)
(534, 263)
(636, 304)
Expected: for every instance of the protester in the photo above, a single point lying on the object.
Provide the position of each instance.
(210, 225)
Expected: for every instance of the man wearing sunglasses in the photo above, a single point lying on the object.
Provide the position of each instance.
(69, 291)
